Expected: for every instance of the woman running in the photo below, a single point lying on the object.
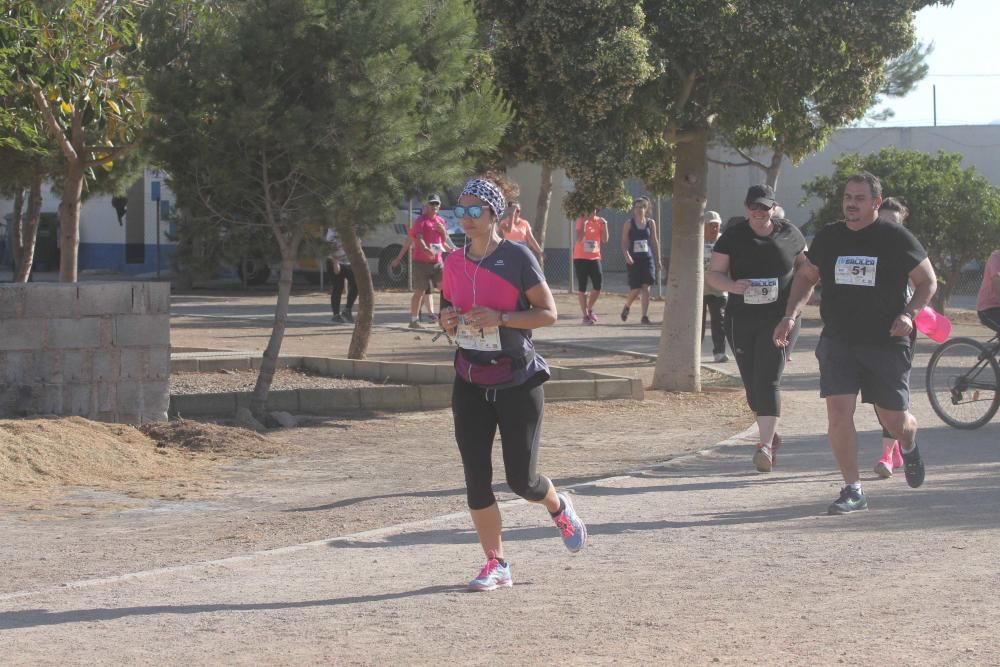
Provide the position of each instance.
(494, 293)
(754, 260)
(893, 209)
(641, 248)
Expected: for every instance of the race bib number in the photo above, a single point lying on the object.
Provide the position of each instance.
(855, 270)
(589, 246)
(483, 340)
(640, 246)
(437, 248)
(761, 291)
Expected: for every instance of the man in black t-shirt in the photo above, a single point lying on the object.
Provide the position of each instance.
(864, 264)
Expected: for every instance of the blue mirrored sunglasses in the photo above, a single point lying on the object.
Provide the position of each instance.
(471, 211)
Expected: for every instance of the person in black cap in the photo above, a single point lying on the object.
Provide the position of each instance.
(755, 260)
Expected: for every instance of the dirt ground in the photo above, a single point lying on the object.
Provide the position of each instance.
(168, 494)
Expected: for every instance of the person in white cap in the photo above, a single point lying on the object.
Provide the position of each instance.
(714, 300)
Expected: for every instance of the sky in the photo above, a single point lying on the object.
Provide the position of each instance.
(965, 67)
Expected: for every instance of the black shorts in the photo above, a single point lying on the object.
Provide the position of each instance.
(588, 268)
(991, 318)
(881, 371)
(641, 271)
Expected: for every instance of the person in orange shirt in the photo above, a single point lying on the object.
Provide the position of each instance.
(591, 232)
(515, 228)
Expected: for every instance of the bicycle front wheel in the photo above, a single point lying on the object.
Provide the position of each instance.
(962, 383)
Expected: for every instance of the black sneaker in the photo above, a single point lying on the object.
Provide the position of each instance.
(347, 316)
(625, 314)
(913, 467)
(337, 318)
(644, 320)
(850, 500)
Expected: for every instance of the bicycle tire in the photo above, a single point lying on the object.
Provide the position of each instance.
(963, 383)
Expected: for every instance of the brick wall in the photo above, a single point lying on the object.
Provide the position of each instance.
(97, 350)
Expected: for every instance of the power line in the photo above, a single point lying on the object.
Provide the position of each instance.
(963, 75)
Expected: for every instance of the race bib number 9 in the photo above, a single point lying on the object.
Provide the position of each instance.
(761, 291)
(589, 246)
(640, 246)
(855, 270)
(471, 338)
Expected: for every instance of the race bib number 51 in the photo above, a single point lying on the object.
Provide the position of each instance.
(855, 270)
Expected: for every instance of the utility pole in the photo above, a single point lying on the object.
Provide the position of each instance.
(934, 89)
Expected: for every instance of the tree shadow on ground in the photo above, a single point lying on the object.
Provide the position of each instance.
(30, 618)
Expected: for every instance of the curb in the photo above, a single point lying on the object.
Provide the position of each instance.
(425, 386)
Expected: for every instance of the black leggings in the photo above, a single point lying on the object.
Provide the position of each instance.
(346, 273)
(761, 363)
(517, 411)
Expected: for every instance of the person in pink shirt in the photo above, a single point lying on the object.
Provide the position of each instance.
(515, 228)
(429, 239)
(494, 296)
(591, 232)
(988, 301)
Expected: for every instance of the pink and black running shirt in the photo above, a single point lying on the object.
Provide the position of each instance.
(500, 283)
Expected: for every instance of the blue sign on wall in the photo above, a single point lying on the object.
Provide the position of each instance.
(154, 191)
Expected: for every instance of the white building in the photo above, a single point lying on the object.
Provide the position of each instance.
(129, 246)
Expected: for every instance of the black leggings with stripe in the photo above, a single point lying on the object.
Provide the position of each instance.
(517, 412)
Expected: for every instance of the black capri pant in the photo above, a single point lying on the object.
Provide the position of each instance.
(517, 412)
(761, 363)
(588, 268)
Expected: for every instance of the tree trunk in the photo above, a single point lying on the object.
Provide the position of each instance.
(540, 226)
(947, 287)
(773, 169)
(258, 401)
(678, 364)
(358, 348)
(16, 233)
(29, 230)
(69, 222)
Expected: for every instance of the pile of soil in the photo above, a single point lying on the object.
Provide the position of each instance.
(193, 436)
(40, 456)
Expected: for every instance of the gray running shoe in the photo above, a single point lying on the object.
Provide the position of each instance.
(849, 501)
(571, 527)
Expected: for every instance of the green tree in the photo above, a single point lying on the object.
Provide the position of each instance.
(72, 57)
(800, 131)
(295, 115)
(954, 212)
(735, 69)
(569, 70)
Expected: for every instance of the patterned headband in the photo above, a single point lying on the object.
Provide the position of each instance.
(488, 192)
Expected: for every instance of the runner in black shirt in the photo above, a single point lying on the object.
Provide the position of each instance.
(754, 261)
(864, 264)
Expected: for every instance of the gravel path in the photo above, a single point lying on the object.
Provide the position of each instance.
(244, 380)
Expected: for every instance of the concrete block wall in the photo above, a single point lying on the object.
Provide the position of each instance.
(96, 350)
